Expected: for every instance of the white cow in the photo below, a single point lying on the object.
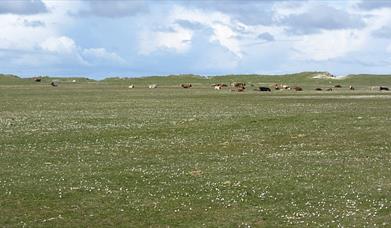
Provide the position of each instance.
(153, 86)
(218, 87)
(131, 86)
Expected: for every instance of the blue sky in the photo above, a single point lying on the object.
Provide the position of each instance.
(136, 38)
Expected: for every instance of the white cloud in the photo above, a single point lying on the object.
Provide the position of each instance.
(66, 47)
(177, 39)
(15, 35)
(329, 45)
(226, 37)
(103, 54)
(219, 23)
(332, 44)
(60, 45)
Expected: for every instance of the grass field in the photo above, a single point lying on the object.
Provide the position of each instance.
(95, 153)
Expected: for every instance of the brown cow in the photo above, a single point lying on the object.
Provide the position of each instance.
(297, 88)
(219, 84)
(186, 86)
(238, 84)
(238, 89)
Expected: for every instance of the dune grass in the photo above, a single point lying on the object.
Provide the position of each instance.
(99, 154)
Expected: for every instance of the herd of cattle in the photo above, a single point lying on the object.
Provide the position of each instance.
(241, 86)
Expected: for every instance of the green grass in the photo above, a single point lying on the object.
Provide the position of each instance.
(95, 153)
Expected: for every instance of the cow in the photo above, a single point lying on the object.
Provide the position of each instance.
(383, 88)
(37, 79)
(219, 84)
(186, 86)
(238, 84)
(337, 86)
(329, 89)
(285, 86)
(238, 89)
(318, 89)
(153, 86)
(131, 86)
(54, 84)
(264, 89)
(351, 87)
(218, 87)
(297, 88)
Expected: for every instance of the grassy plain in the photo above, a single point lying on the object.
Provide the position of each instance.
(95, 153)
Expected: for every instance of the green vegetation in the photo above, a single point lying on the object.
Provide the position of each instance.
(95, 153)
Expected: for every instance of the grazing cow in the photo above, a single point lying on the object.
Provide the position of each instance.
(238, 89)
(37, 79)
(351, 87)
(285, 86)
(297, 88)
(337, 86)
(218, 87)
(383, 88)
(264, 89)
(186, 86)
(238, 84)
(318, 89)
(153, 86)
(54, 83)
(219, 84)
(131, 86)
(329, 89)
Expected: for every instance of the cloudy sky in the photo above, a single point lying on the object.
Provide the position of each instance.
(137, 38)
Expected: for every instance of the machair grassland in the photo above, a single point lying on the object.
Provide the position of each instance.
(96, 153)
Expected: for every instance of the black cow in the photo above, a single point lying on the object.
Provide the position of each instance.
(264, 89)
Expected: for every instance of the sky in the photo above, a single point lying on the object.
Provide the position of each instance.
(101, 39)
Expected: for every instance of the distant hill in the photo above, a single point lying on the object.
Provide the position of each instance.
(302, 78)
(14, 79)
